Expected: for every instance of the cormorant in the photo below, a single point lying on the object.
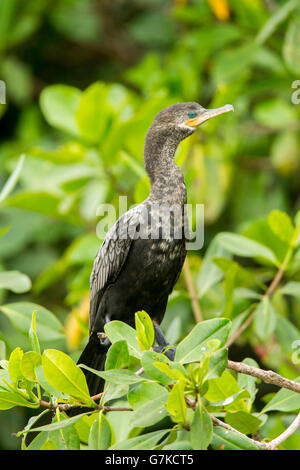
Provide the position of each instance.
(139, 261)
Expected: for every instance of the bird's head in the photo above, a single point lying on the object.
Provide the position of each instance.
(182, 119)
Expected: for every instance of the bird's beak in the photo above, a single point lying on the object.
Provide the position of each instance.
(208, 114)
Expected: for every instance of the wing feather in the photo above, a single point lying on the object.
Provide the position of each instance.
(110, 259)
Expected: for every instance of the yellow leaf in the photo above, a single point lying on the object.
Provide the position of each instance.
(74, 332)
(220, 9)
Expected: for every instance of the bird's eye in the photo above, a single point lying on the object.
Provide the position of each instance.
(192, 115)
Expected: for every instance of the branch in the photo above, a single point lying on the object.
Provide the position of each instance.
(264, 445)
(67, 406)
(192, 291)
(218, 422)
(267, 376)
(286, 434)
(271, 289)
(240, 330)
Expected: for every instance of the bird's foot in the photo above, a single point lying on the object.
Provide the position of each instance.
(166, 350)
(104, 341)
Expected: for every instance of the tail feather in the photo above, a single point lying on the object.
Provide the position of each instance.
(94, 356)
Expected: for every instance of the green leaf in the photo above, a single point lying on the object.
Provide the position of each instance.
(243, 246)
(10, 399)
(149, 358)
(201, 429)
(46, 386)
(33, 334)
(191, 348)
(209, 273)
(100, 435)
(247, 381)
(265, 319)
(260, 231)
(175, 373)
(144, 442)
(30, 424)
(224, 439)
(150, 412)
(117, 330)
(15, 281)
(291, 45)
(284, 400)
(116, 376)
(291, 288)
(231, 63)
(217, 364)
(117, 356)
(176, 404)
(30, 361)
(3, 230)
(276, 113)
(14, 365)
(48, 326)
(225, 391)
(90, 121)
(63, 374)
(284, 152)
(144, 330)
(242, 275)
(280, 14)
(281, 225)
(287, 334)
(144, 392)
(44, 203)
(59, 104)
(235, 401)
(179, 445)
(12, 180)
(58, 424)
(243, 421)
(66, 437)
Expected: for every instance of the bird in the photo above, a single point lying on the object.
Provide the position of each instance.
(142, 254)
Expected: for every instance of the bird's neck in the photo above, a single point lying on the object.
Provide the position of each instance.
(166, 178)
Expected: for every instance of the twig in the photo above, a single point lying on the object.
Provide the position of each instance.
(240, 330)
(192, 291)
(271, 289)
(260, 445)
(218, 422)
(67, 406)
(267, 376)
(286, 434)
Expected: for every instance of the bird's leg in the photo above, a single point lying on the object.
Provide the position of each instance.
(162, 343)
(104, 341)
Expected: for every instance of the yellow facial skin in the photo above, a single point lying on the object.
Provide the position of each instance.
(208, 114)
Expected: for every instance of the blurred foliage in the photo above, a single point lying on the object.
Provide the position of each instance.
(84, 80)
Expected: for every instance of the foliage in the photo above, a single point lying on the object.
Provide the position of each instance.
(74, 140)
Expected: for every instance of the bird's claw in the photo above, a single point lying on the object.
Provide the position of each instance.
(104, 341)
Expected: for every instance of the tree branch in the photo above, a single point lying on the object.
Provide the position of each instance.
(271, 289)
(192, 291)
(286, 434)
(267, 376)
(218, 422)
(67, 406)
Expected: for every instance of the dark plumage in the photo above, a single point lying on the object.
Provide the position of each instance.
(131, 272)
